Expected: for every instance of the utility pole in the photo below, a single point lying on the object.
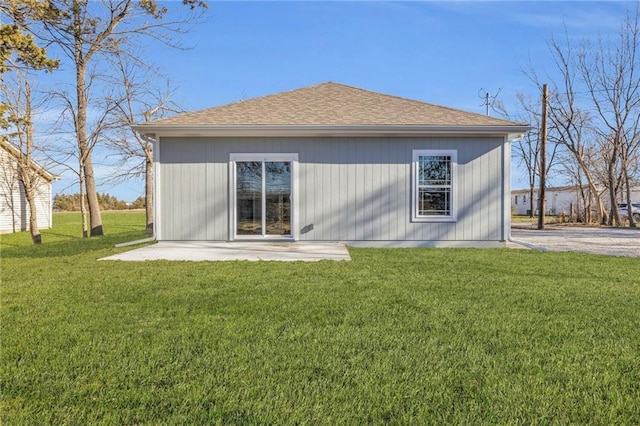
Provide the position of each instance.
(543, 158)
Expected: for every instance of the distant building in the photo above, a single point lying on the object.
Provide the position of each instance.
(559, 200)
(14, 209)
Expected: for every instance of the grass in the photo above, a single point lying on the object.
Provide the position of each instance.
(518, 219)
(405, 336)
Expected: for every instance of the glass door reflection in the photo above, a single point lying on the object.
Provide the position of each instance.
(249, 197)
(263, 198)
(277, 198)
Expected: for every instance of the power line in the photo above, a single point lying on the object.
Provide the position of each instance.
(587, 91)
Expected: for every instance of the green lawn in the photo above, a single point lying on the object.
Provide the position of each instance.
(399, 336)
(518, 219)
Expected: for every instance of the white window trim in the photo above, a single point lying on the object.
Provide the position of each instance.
(291, 157)
(453, 153)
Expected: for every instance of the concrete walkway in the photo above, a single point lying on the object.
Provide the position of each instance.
(607, 241)
(208, 251)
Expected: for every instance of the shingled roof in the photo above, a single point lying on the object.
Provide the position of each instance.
(331, 104)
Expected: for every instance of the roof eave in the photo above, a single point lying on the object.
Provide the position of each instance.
(323, 130)
(15, 152)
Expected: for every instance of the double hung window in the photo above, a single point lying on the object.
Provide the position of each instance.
(434, 179)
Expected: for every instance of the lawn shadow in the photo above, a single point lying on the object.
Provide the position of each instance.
(71, 247)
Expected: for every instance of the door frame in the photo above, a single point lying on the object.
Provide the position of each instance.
(288, 157)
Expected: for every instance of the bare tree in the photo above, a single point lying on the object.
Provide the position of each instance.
(66, 157)
(20, 128)
(527, 150)
(570, 124)
(145, 95)
(611, 72)
(588, 198)
(102, 105)
(19, 55)
(86, 32)
(600, 130)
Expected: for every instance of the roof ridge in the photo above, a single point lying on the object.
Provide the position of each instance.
(416, 101)
(331, 103)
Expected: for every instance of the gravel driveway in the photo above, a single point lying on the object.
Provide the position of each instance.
(608, 241)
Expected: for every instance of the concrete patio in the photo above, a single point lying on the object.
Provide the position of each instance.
(608, 241)
(199, 251)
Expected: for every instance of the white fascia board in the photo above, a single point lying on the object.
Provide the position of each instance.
(16, 153)
(314, 131)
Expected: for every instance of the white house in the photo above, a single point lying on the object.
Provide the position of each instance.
(560, 199)
(14, 209)
(333, 163)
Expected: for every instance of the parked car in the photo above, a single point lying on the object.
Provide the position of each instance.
(635, 210)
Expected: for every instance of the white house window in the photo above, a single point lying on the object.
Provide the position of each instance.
(434, 185)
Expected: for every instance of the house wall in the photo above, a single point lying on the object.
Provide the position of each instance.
(350, 189)
(14, 209)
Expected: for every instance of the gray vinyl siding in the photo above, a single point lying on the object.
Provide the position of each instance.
(350, 189)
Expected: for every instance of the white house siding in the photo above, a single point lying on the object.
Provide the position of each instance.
(350, 189)
(14, 209)
(557, 201)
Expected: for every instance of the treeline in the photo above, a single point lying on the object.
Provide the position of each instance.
(71, 203)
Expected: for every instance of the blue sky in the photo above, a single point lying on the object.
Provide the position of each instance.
(437, 52)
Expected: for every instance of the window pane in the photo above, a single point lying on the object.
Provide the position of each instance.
(249, 197)
(434, 170)
(434, 201)
(278, 197)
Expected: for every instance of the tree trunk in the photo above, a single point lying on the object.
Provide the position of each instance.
(95, 217)
(627, 182)
(592, 186)
(33, 222)
(586, 204)
(83, 207)
(28, 185)
(148, 190)
(26, 173)
(81, 133)
(531, 211)
(602, 215)
(614, 217)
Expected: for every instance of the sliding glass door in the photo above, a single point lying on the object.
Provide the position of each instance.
(249, 198)
(263, 193)
(277, 197)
